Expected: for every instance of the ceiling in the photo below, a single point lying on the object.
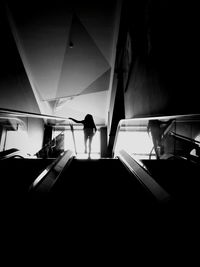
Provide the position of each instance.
(68, 51)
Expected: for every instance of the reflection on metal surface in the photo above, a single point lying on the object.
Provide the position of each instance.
(159, 193)
(164, 137)
(48, 177)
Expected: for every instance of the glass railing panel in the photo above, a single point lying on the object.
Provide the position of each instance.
(166, 137)
(30, 135)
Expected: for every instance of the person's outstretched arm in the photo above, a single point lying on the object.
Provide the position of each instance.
(77, 121)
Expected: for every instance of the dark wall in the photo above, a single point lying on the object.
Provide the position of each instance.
(15, 89)
(163, 74)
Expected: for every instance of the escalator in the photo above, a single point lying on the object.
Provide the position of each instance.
(100, 184)
(91, 188)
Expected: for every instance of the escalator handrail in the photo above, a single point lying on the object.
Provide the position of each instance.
(44, 182)
(19, 113)
(185, 138)
(144, 178)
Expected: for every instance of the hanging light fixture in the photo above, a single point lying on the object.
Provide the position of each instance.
(71, 45)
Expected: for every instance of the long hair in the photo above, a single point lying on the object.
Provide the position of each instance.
(89, 121)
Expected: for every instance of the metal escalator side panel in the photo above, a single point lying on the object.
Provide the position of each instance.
(144, 178)
(45, 181)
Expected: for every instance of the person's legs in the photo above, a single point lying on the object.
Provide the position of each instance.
(90, 144)
(88, 135)
(85, 142)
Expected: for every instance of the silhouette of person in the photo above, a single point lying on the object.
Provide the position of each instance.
(89, 129)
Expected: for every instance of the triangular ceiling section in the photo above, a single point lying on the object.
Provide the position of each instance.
(100, 27)
(101, 84)
(82, 64)
(43, 35)
(52, 104)
(60, 102)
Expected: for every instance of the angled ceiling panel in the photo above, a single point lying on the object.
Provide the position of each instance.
(43, 35)
(100, 84)
(99, 18)
(67, 80)
(83, 63)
